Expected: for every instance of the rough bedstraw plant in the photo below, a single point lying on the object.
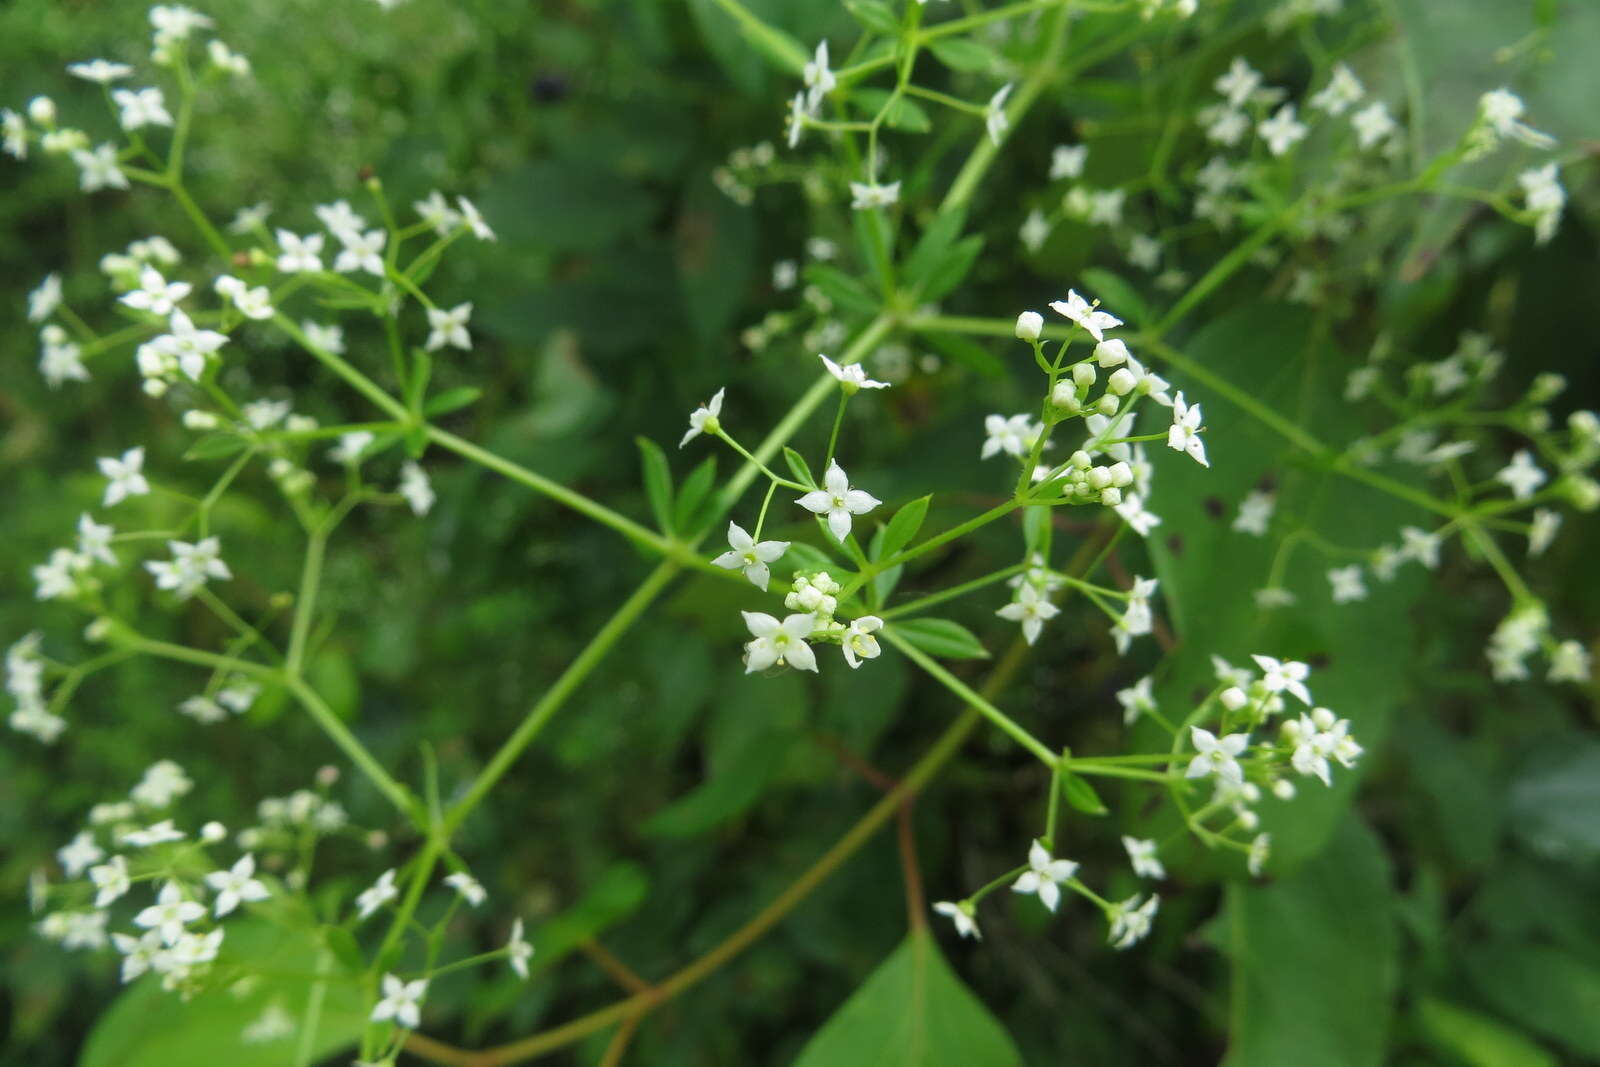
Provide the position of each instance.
(1279, 176)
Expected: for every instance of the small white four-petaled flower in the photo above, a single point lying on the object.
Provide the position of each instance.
(705, 419)
(1184, 434)
(852, 377)
(747, 555)
(236, 885)
(1218, 756)
(962, 915)
(775, 641)
(838, 501)
(1044, 876)
(402, 1002)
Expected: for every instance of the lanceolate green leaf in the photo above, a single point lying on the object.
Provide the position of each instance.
(912, 1012)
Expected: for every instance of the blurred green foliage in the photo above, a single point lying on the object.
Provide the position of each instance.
(1451, 917)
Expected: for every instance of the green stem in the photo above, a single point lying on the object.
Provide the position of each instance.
(564, 687)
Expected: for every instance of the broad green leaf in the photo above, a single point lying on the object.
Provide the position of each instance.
(968, 353)
(942, 638)
(843, 289)
(657, 482)
(961, 53)
(912, 1012)
(695, 492)
(715, 254)
(1082, 796)
(798, 467)
(903, 527)
(1315, 960)
(1476, 1039)
(451, 400)
(1544, 988)
(215, 446)
(875, 15)
(1362, 651)
(149, 1027)
(1555, 801)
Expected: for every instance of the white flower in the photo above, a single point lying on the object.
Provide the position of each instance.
(155, 294)
(852, 377)
(1225, 125)
(960, 914)
(361, 251)
(1342, 92)
(1545, 199)
(474, 220)
(1031, 608)
(110, 880)
(341, 220)
(158, 833)
(1137, 618)
(326, 338)
(1285, 676)
(188, 346)
(867, 195)
(838, 501)
(141, 107)
(14, 134)
(94, 540)
(203, 709)
(227, 60)
(470, 888)
(299, 253)
(415, 488)
(819, 80)
(235, 885)
(776, 641)
(1420, 545)
(44, 300)
(76, 855)
(1013, 436)
(351, 446)
(449, 327)
(1282, 131)
(170, 913)
(1142, 854)
(162, 783)
(995, 120)
(705, 419)
(1501, 110)
(1105, 207)
(125, 474)
(1240, 81)
(437, 213)
(1029, 325)
(1144, 251)
(857, 640)
(250, 218)
(402, 1002)
(1066, 161)
(1317, 738)
(138, 953)
(745, 554)
(1133, 512)
(1542, 531)
(1044, 876)
(1184, 434)
(100, 71)
(1347, 584)
(518, 951)
(1131, 921)
(376, 895)
(1085, 314)
(191, 566)
(796, 123)
(1138, 699)
(174, 22)
(814, 595)
(58, 577)
(1522, 476)
(1255, 511)
(1373, 124)
(1216, 756)
(1569, 663)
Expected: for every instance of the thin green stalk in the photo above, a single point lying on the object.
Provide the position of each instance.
(965, 692)
(923, 603)
(558, 694)
(340, 734)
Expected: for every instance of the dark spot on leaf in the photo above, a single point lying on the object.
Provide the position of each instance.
(1319, 662)
(1213, 506)
(549, 89)
(1175, 544)
(1267, 484)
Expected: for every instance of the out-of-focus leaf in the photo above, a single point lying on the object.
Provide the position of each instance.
(1082, 796)
(451, 400)
(913, 1012)
(1476, 1039)
(1314, 959)
(657, 482)
(1542, 987)
(875, 15)
(1555, 801)
(149, 1027)
(615, 895)
(960, 53)
(942, 638)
